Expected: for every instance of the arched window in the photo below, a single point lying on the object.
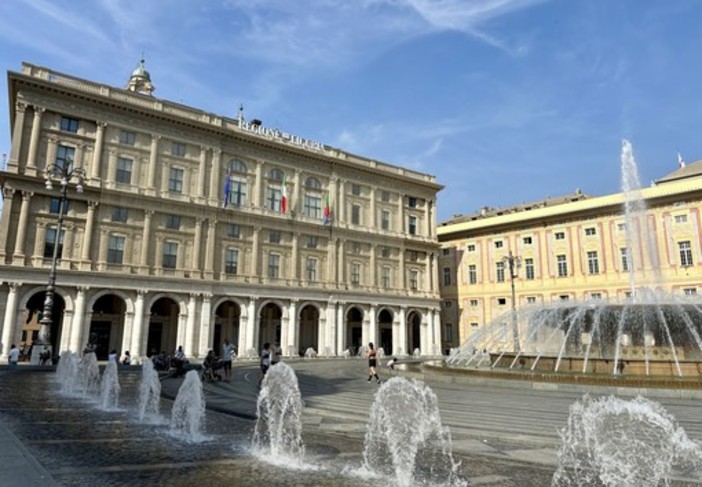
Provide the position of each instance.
(313, 183)
(236, 166)
(275, 175)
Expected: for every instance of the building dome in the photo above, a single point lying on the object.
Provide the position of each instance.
(141, 72)
(140, 80)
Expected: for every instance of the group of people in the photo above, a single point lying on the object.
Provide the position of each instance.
(372, 355)
(17, 355)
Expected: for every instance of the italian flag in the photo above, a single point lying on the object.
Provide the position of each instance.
(284, 197)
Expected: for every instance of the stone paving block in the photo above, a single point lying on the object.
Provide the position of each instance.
(543, 455)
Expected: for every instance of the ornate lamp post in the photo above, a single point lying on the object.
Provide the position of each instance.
(64, 174)
(514, 263)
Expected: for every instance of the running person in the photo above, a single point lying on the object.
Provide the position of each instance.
(372, 362)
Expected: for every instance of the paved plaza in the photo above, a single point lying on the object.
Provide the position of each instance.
(504, 436)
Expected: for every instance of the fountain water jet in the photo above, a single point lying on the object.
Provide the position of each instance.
(405, 439)
(616, 442)
(188, 414)
(109, 388)
(278, 431)
(149, 391)
(67, 372)
(88, 380)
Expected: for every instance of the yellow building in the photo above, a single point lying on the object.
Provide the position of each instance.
(569, 248)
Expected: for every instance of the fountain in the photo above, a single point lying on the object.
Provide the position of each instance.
(651, 333)
(188, 413)
(405, 439)
(88, 378)
(278, 431)
(610, 441)
(67, 372)
(109, 388)
(310, 353)
(149, 391)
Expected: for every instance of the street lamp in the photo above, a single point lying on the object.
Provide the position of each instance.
(63, 174)
(514, 263)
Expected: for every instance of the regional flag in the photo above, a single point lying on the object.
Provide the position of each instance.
(326, 211)
(284, 197)
(227, 188)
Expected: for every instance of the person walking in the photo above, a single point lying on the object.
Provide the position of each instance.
(265, 360)
(227, 357)
(372, 355)
(13, 357)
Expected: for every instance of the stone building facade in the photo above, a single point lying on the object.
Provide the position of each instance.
(194, 227)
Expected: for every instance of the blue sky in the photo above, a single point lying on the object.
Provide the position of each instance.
(504, 101)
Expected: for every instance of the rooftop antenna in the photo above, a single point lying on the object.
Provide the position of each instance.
(240, 118)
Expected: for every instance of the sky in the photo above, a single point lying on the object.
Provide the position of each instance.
(504, 101)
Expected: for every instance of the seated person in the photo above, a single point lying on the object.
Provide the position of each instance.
(391, 363)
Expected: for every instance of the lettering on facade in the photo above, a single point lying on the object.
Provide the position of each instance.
(275, 134)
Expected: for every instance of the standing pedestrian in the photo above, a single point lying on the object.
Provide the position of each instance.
(372, 355)
(127, 360)
(227, 357)
(265, 360)
(13, 357)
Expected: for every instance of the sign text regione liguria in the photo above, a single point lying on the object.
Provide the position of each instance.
(276, 134)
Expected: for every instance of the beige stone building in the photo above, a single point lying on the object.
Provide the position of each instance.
(570, 248)
(153, 255)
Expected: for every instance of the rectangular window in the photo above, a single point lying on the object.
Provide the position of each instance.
(385, 196)
(413, 255)
(470, 248)
(499, 244)
(127, 138)
(274, 236)
(412, 225)
(385, 278)
(233, 230)
(178, 149)
(562, 265)
(685, 253)
(124, 170)
(170, 255)
(531, 299)
(595, 295)
(500, 271)
(690, 291)
(474, 302)
(624, 252)
(231, 261)
(448, 304)
(412, 202)
(527, 240)
(529, 269)
(273, 266)
(273, 198)
(54, 205)
(311, 269)
(564, 297)
(593, 263)
(590, 231)
(447, 276)
(175, 180)
(69, 124)
(621, 227)
(50, 242)
(119, 214)
(385, 220)
(446, 251)
(115, 250)
(237, 192)
(559, 235)
(680, 218)
(312, 242)
(448, 332)
(413, 279)
(501, 301)
(385, 252)
(313, 206)
(473, 327)
(472, 274)
(356, 189)
(355, 273)
(355, 248)
(64, 157)
(356, 214)
(172, 222)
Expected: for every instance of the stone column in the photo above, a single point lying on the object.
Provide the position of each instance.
(373, 328)
(80, 152)
(8, 326)
(206, 328)
(400, 348)
(146, 241)
(215, 188)
(34, 142)
(433, 283)
(201, 173)
(128, 333)
(197, 244)
(429, 218)
(342, 263)
(373, 216)
(340, 329)
(210, 250)
(97, 155)
(67, 248)
(342, 201)
(153, 155)
(285, 325)
(7, 194)
(39, 241)
(331, 263)
(296, 204)
(292, 343)
(111, 176)
(401, 269)
(255, 252)
(189, 339)
(135, 348)
(436, 320)
(373, 266)
(102, 249)
(78, 322)
(401, 214)
(88, 236)
(258, 183)
(17, 134)
(21, 240)
(295, 274)
(428, 272)
(51, 144)
(331, 328)
(250, 329)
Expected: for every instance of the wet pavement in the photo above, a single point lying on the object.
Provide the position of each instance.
(501, 437)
